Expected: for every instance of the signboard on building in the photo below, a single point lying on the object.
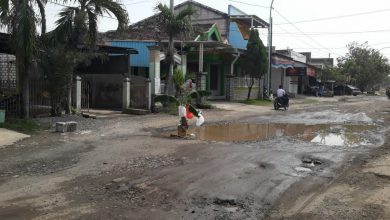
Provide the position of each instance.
(296, 71)
(311, 71)
(280, 62)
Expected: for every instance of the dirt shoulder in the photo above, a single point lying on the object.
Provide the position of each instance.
(361, 190)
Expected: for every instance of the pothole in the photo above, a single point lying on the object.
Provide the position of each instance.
(323, 134)
(311, 162)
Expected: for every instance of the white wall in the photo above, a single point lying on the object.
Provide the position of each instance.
(291, 84)
(277, 77)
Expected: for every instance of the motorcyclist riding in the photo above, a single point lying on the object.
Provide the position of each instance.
(280, 93)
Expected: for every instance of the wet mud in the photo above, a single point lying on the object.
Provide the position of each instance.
(235, 170)
(324, 134)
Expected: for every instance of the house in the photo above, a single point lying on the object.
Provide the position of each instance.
(210, 55)
(280, 64)
(300, 75)
(102, 79)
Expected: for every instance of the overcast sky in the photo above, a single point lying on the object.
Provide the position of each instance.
(319, 26)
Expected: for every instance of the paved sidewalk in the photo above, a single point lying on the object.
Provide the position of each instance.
(8, 137)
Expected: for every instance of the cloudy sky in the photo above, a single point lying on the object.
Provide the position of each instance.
(321, 26)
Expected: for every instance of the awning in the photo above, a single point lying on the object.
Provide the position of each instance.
(251, 20)
(281, 62)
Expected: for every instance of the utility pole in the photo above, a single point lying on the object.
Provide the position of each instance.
(169, 82)
(269, 50)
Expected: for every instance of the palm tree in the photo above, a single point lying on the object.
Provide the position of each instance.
(173, 25)
(77, 26)
(20, 20)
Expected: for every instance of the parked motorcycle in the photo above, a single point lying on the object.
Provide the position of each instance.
(281, 102)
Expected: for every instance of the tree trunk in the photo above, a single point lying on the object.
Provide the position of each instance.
(250, 88)
(171, 89)
(25, 93)
(261, 88)
(171, 59)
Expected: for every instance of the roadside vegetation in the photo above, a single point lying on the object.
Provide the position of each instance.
(255, 61)
(71, 43)
(363, 67)
(175, 25)
(26, 126)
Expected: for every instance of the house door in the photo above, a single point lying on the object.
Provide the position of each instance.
(300, 85)
(214, 80)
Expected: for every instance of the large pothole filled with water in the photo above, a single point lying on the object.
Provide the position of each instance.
(325, 134)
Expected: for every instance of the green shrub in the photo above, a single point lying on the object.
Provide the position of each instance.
(26, 126)
(388, 92)
(178, 80)
(165, 100)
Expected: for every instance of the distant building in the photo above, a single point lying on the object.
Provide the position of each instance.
(302, 75)
(211, 55)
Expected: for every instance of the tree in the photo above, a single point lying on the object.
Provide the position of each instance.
(57, 63)
(77, 28)
(173, 25)
(77, 25)
(366, 67)
(332, 73)
(20, 20)
(255, 62)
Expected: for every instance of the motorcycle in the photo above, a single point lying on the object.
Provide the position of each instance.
(281, 102)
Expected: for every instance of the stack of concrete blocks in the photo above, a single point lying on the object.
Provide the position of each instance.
(62, 127)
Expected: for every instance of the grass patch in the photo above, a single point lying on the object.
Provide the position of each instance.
(258, 102)
(26, 126)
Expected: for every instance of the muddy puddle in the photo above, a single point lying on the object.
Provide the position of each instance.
(324, 134)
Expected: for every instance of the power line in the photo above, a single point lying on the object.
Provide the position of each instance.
(336, 17)
(299, 39)
(138, 2)
(337, 33)
(337, 48)
(244, 3)
(304, 33)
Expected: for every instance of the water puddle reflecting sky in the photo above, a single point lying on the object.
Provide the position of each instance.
(324, 134)
(349, 139)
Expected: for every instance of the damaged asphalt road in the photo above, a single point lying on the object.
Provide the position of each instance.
(129, 168)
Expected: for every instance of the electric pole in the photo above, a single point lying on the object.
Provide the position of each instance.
(269, 50)
(171, 6)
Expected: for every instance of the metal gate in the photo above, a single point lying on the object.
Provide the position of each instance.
(138, 92)
(40, 100)
(85, 95)
(9, 97)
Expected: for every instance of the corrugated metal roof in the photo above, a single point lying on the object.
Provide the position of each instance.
(142, 58)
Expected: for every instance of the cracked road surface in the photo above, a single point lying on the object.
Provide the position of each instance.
(326, 158)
